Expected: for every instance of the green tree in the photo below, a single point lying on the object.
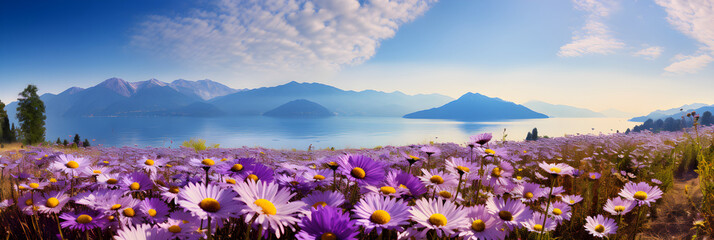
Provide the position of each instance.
(534, 134)
(65, 142)
(706, 119)
(31, 115)
(77, 139)
(3, 116)
(86, 143)
(529, 137)
(58, 142)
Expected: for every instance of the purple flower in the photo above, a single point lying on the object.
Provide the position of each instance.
(327, 223)
(137, 182)
(375, 212)
(481, 225)
(557, 169)
(326, 198)
(444, 217)
(83, 221)
(641, 192)
(600, 226)
(594, 175)
(619, 206)
(209, 201)
(480, 139)
(361, 169)
(529, 192)
(509, 211)
(533, 224)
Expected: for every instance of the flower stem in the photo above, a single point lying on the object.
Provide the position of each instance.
(547, 208)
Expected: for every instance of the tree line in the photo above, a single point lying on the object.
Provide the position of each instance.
(671, 124)
(31, 118)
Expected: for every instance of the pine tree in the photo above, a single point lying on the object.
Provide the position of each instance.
(627, 131)
(31, 115)
(3, 123)
(529, 137)
(13, 133)
(65, 142)
(58, 142)
(76, 139)
(535, 134)
(86, 143)
(706, 119)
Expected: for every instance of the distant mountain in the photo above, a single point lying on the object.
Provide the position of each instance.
(660, 114)
(204, 89)
(561, 111)
(345, 103)
(614, 113)
(300, 108)
(477, 107)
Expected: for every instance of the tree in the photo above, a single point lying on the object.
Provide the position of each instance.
(13, 133)
(529, 137)
(535, 134)
(627, 131)
(76, 139)
(31, 115)
(58, 142)
(65, 142)
(706, 119)
(4, 123)
(85, 143)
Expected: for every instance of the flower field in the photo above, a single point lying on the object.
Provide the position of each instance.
(574, 187)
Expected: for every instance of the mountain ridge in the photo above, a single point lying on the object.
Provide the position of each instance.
(477, 107)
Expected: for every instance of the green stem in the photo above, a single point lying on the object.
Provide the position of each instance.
(208, 236)
(458, 187)
(547, 208)
(59, 227)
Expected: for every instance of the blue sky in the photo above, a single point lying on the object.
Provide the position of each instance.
(636, 56)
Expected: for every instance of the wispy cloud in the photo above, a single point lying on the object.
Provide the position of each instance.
(650, 52)
(694, 18)
(279, 35)
(594, 37)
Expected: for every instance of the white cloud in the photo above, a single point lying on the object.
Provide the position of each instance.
(594, 37)
(279, 35)
(689, 64)
(694, 18)
(650, 52)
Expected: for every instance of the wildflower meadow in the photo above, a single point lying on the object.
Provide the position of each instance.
(572, 187)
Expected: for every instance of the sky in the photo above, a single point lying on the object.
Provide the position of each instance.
(635, 56)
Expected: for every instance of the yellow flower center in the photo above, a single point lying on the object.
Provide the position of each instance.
(489, 151)
(436, 179)
(402, 186)
(505, 215)
(29, 202)
(555, 170)
(115, 206)
(71, 164)
(175, 229)
(619, 208)
(224, 159)
(437, 219)
(640, 195)
(380, 217)
(572, 201)
(328, 236)
(318, 177)
(208, 162)
(112, 181)
(538, 227)
(53, 180)
(149, 162)
(387, 190)
(252, 177)
(519, 177)
(83, 219)
(334, 164)
(557, 211)
(600, 228)
(478, 225)
(358, 173)
(267, 206)
(134, 186)
(231, 181)
(463, 169)
(445, 194)
(97, 171)
(209, 205)
(496, 172)
(168, 165)
(528, 195)
(34, 185)
(129, 212)
(105, 162)
(593, 176)
(152, 212)
(51, 202)
(174, 189)
(237, 167)
(319, 204)
(413, 157)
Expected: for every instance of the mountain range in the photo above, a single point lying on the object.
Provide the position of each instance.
(562, 111)
(675, 112)
(206, 98)
(477, 107)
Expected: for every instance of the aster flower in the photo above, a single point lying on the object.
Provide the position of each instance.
(93, 170)
(109, 180)
(182, 229)
(361, 169)
(529, 192)
(28, 203)
(70, 164)
(137, 182)
(33, 184)
(206, 163)
(150, 165)
(600, 226)
(481, 225)
(480, 139)
(258, 172)
(448, 193)
(438, 179)
(321, 177)
(52, 202)
(641, 192)
(170, 193)
(270, 205)
(327, 223)
(326, 198)
(557, 169)
(142, 232)
(208, 201)
(154, 210)
(444, 217)
(236, 166)
(571, 199)
(618, 206)
(458, 166)
(430, 150)
(379, 213)
(534, 223)
(510, 211)
(594, 175)
(84, 221)
(559, 211)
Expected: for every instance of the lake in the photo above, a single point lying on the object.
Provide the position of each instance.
(338, 132)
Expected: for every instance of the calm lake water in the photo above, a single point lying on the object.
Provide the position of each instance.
(338, 132)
